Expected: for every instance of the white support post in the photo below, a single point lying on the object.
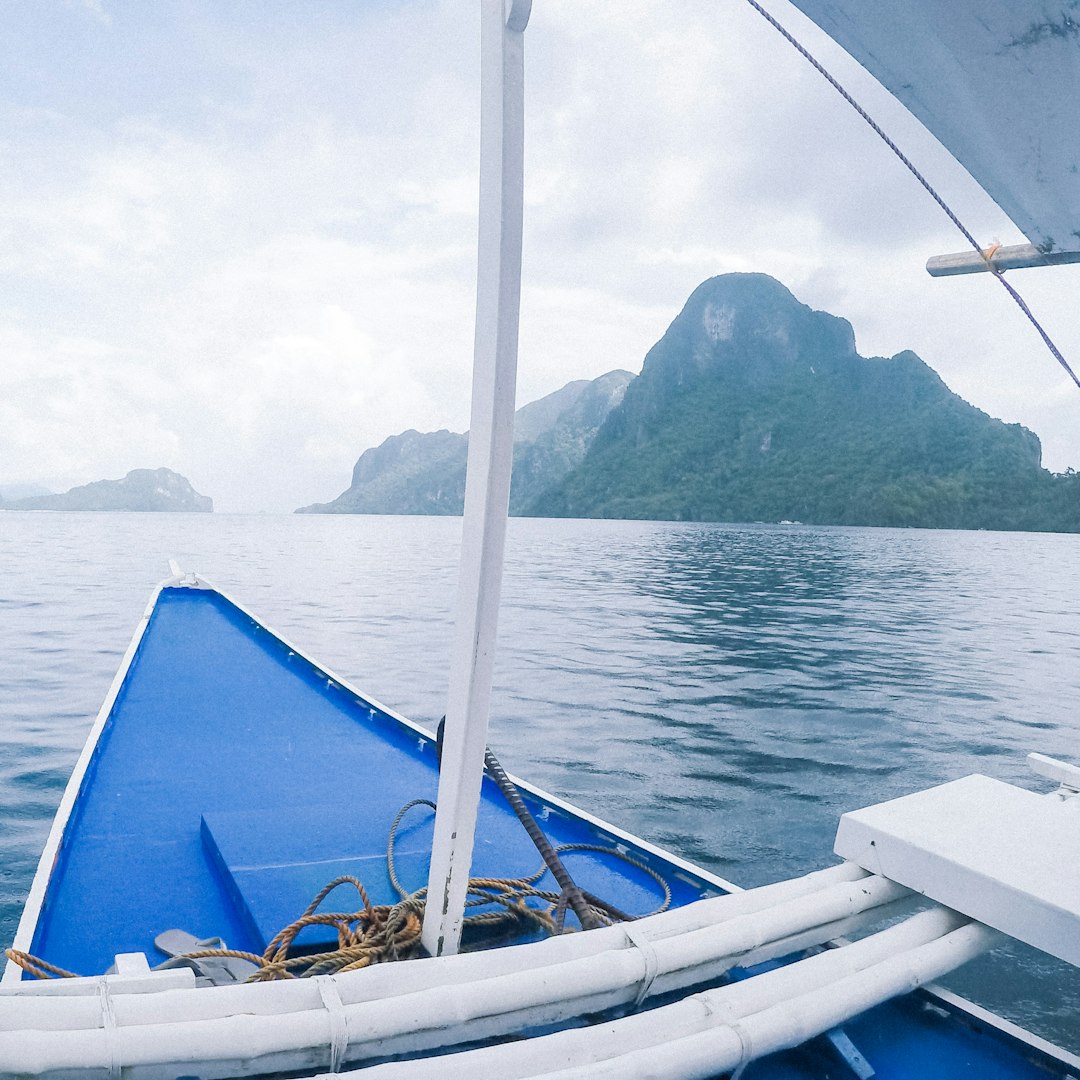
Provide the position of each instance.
(487, 488)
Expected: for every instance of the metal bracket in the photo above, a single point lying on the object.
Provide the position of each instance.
(850, 1053)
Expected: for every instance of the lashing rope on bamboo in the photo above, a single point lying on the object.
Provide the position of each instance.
(376, 934)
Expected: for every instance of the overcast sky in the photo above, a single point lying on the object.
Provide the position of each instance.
(237, 239)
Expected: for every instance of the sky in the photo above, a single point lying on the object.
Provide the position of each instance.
(238, 239)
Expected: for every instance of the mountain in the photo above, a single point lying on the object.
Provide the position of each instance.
(755, 407)
(412, 473)
(141, 489)
(11, 492)
(543, 459)
(424, 473)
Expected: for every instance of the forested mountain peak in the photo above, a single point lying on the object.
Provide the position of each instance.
(755, 407)
(752, 406)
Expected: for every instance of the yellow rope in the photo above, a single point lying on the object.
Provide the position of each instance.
(378, 934)
(40, 969)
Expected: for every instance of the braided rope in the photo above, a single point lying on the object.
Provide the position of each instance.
(986, 254)
(375, 934)
(40, 969)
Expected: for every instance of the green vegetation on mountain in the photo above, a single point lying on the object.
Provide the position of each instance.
(141, 489)
(754, 407)
(424, 473)
(412, 473)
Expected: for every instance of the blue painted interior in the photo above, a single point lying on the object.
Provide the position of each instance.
(231, 782)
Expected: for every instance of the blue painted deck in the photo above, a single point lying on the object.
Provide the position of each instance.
(231, 782)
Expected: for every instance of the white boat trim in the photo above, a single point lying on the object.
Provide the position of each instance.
(952, 1001)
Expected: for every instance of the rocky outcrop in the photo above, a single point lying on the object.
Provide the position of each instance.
(755, 407)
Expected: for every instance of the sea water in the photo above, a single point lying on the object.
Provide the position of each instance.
(725, 691)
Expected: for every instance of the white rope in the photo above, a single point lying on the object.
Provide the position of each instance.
(108, 1024)
(339, 1022)
(652, 962)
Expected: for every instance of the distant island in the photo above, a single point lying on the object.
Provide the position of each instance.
(424, 473)
(751, 407)
(21, 491)
(140, 490)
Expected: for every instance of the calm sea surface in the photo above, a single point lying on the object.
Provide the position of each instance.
(724, 691)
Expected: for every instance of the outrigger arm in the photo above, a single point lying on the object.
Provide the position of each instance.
(487, 487)
(1015, 257)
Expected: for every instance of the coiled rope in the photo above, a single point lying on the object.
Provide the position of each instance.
(376, 934)
(986, 253)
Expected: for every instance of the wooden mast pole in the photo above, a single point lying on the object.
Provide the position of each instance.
(487, 487)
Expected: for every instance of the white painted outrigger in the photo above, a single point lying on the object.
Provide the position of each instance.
(142, 1024)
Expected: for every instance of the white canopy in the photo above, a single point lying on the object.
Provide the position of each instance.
(998, 83)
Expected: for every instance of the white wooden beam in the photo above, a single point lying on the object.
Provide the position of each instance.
(487, 487)
(1016, 257)
(1063, 772)
(1000, 854)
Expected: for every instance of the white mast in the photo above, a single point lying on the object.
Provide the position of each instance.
(491, 447)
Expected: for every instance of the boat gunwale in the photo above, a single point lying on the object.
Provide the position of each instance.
(974, 1013)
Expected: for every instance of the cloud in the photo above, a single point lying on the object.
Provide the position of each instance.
(86, 402)
(95, 9)
(247, 250)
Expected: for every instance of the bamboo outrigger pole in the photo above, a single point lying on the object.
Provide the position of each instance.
(491, 447)
(1017, 257)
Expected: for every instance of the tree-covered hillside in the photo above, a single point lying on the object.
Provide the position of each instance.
(424, 472)
(754, 407)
